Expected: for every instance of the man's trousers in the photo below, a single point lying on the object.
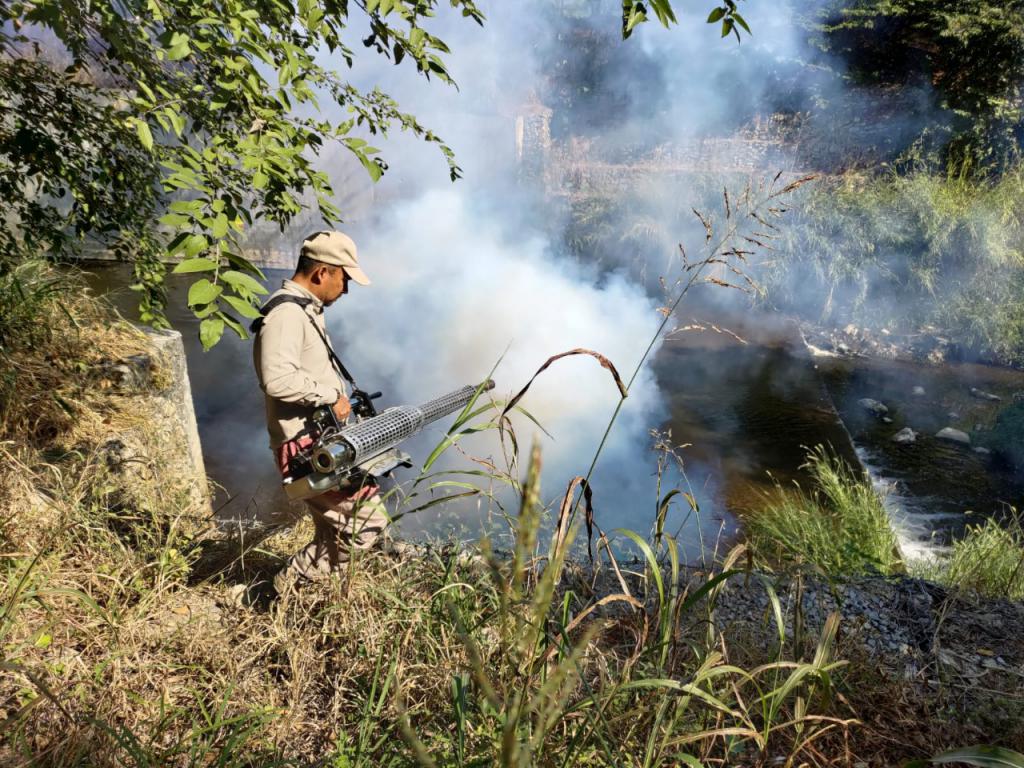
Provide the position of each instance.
(344, 520)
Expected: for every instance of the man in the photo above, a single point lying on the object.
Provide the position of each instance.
(298, 372)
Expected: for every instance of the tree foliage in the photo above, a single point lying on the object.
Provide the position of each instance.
(204, 116)
(970, 51)
(164, 129)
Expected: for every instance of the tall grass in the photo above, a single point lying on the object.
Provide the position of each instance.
(840, 526)
(988, 559)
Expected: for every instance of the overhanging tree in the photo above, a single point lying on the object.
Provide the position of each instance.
(163, 129)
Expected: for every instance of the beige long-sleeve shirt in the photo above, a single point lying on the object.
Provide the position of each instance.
(292, 365)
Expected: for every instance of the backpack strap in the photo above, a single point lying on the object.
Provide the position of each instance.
(257, 325)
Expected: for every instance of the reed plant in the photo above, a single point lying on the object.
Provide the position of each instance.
(840, 526)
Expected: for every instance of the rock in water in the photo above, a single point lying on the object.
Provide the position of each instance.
(905, 435)
(984, 395)
(874, 406)
(954, 435)
(918, 391)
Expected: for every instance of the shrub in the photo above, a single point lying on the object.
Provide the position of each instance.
(909, 250)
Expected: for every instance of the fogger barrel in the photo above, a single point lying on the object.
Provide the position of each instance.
(354, 445)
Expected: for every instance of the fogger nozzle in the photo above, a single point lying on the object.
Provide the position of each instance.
(360, 442)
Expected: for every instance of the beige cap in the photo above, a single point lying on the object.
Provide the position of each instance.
(335, 248)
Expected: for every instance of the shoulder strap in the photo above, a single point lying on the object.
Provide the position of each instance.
(257, 325)
(303, 302)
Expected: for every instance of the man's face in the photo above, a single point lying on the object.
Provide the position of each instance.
(333, 284)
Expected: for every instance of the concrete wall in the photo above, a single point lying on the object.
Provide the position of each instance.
(178, 411)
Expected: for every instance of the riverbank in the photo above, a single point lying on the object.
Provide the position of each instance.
(134, 631)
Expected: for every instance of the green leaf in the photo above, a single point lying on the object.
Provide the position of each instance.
(234, 325)
(174, 220)
(177, 121)
(741, 21)
(716, 15)
(179, 47)
(371, 167)
(663, 10)
(190, 208)
(203, 292)
(210, 331)
(242, 307)
(220, 226)
(726, 27)
(195, 265)
(242, 282)
(633, 13)
(195, 244)
(982, 756)
(145, 136)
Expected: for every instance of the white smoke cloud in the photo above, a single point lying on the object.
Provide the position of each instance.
(453, 292)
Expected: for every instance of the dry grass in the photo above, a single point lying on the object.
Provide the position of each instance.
(54, 338)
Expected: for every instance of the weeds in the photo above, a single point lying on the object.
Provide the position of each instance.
(53, 339)
(841, 527)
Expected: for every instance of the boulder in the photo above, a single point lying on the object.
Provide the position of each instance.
(983, 395)
(905, 435)
(877, 408)
(953, 435)
(918, 391)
